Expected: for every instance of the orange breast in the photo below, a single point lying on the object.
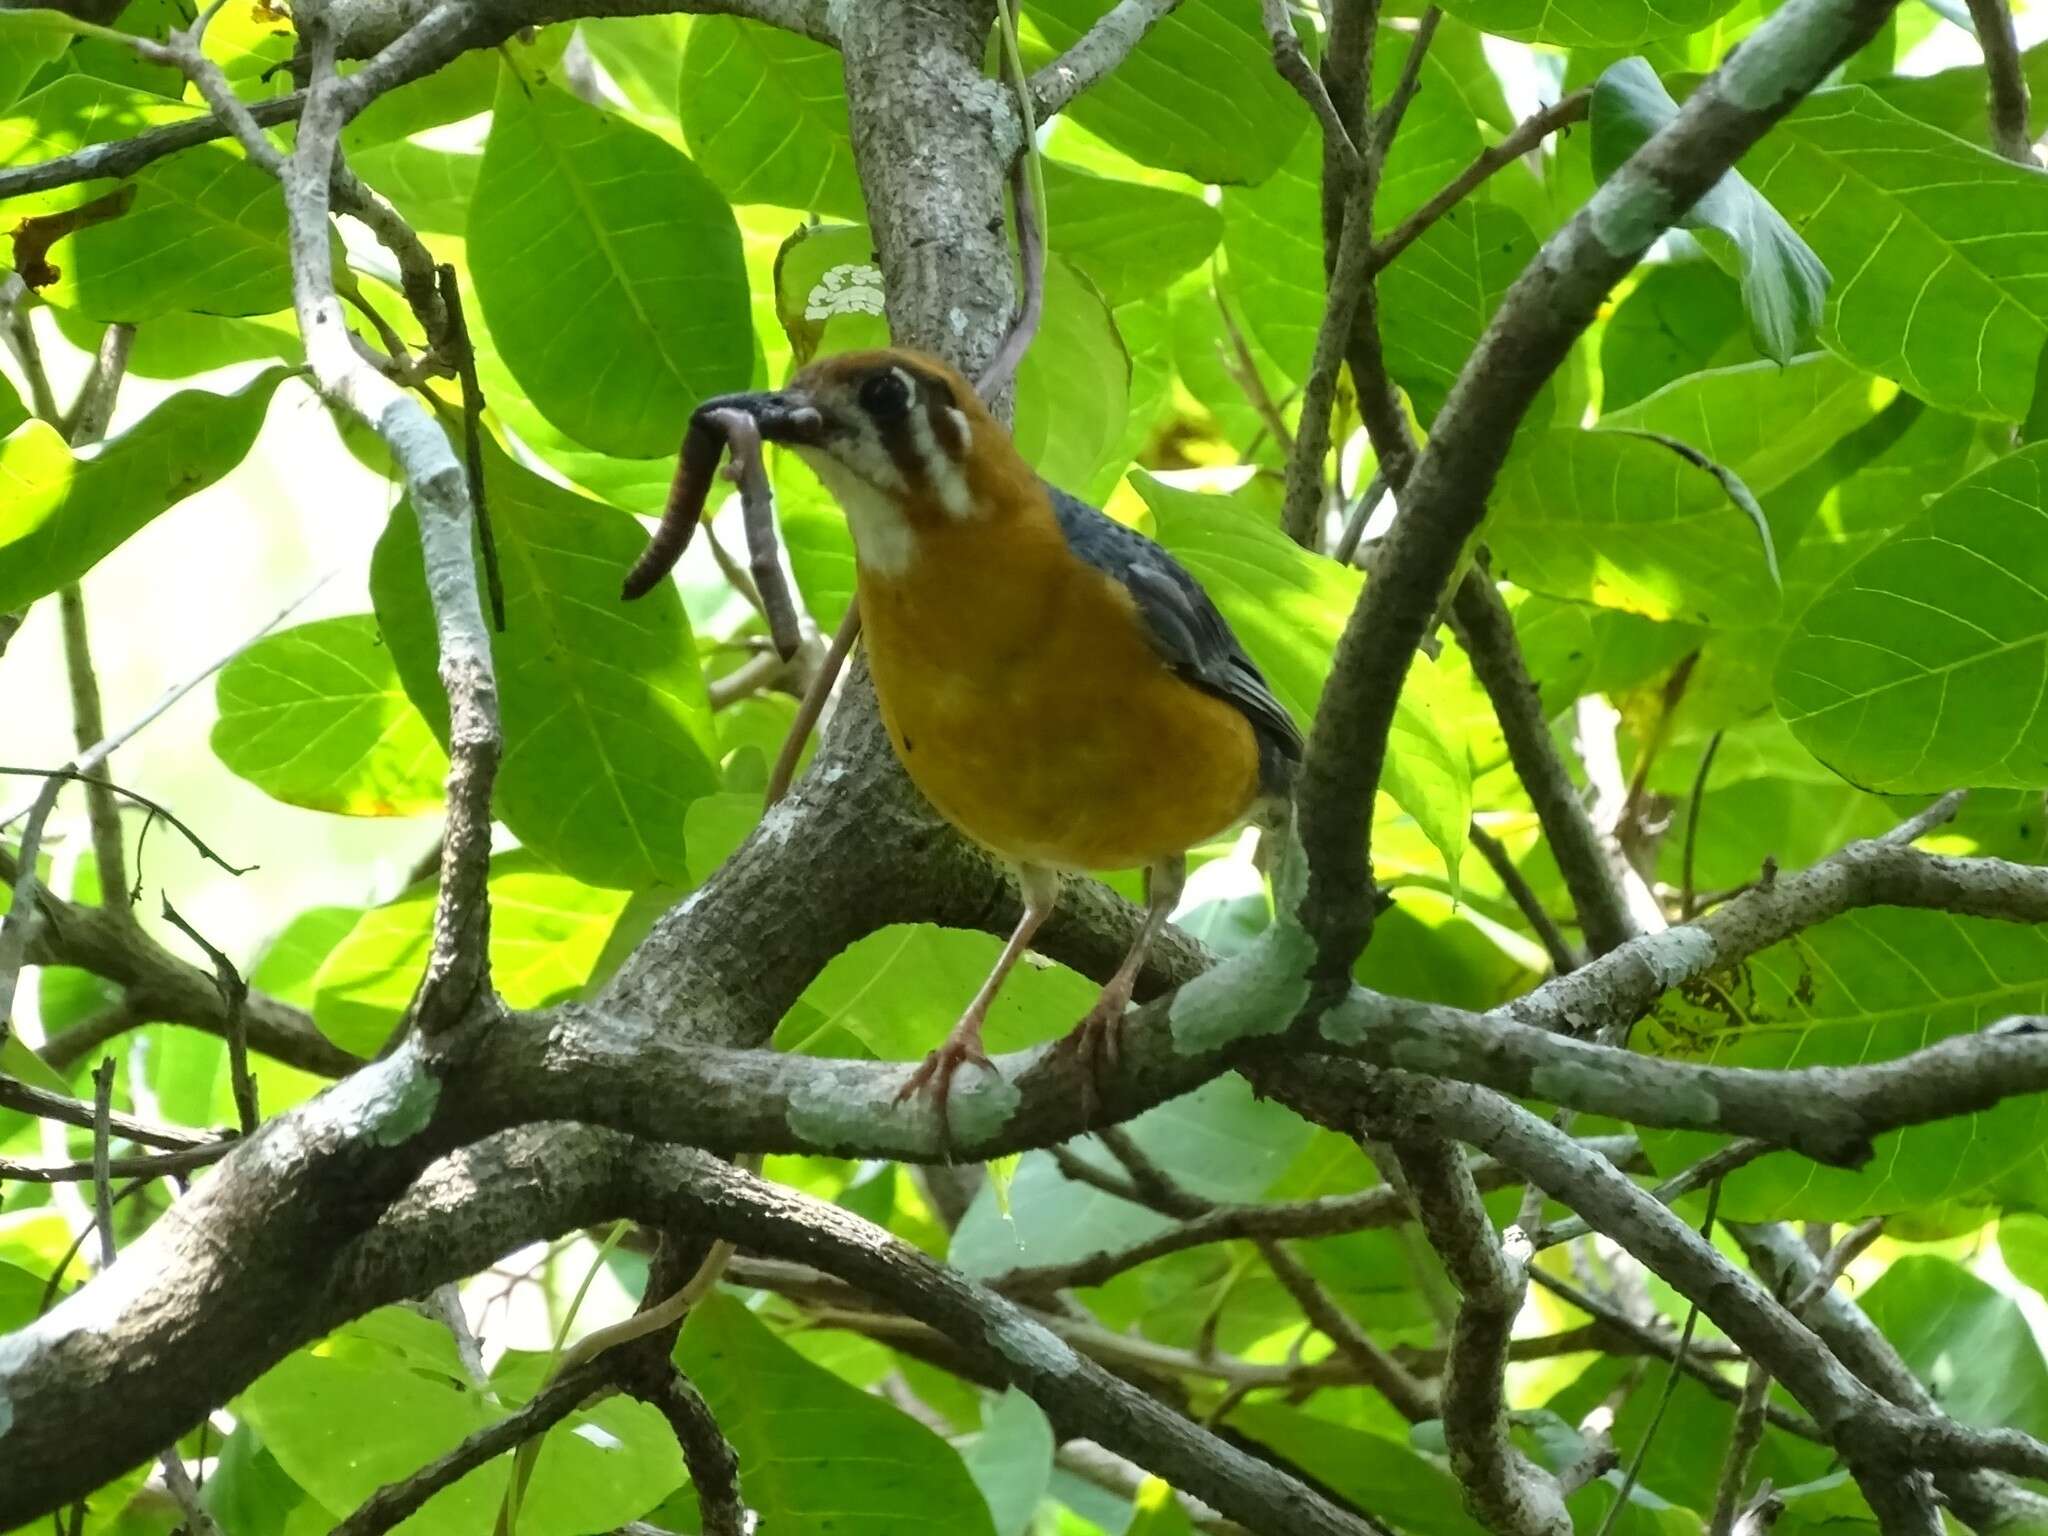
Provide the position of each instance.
(1024, 699)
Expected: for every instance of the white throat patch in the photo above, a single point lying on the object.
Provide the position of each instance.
(882, 536)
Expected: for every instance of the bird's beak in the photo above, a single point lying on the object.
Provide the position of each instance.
(779, 415)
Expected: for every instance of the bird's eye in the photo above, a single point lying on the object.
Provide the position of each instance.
(885, 396)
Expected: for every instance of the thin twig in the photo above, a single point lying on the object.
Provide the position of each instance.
(757, 511)
(1708, 1170)
(102, 1159)
(146, 1165)
(1293, 66)
(1027, 197)
(44, 1105)
(1744, 1436)
(103, 813)
(1562, 957)
(1345, 550)
(1671, 1375)
(1388, 122)
(22, 909)
(101, 750)
(1486, 630)
(714, 1469)
(56, 778)
(472, 435)
(812, 705)
(1687, 890)
(1408, 1397)
(1529, 133)
(234, 998)
(1243, 369)
(398, 1501)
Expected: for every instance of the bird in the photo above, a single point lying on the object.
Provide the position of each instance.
(1056, 685)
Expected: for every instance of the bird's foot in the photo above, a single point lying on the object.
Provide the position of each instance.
(1098, 1039)
(939, 1069)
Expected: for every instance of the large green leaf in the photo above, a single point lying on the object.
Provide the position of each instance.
(1922, 667)
(547, 932)
(1969, 1343)
(1763, 421)
(764, 111)
(63, 117)
(608, 734)
(1625, 522)
(1869, 986)
(1783, 281)
(61, 514)
(900, 989)
(1011, 1461)
(431, 187)
(1679, 318)
(1288, 607)
(1129, 239)
(1437, 297)
(793, 1425)
(375, 1402)
(610, 271)
(1589, 23)
(1375, 1473)
(205, 232)
(1939, 248)
(1198, 95)
(29, 40)
(316, 716)
(1955, 100)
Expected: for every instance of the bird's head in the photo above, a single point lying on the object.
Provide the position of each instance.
(900, 440)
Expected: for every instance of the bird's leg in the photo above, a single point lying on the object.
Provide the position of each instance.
(1041, 888)
(1096, 1036)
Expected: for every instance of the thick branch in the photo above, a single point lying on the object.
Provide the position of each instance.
(1095, 53)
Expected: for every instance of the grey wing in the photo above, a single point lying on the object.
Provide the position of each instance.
(1190, 634)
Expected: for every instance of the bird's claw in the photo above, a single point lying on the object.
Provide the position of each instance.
(938, 1071)
(1098, 1040)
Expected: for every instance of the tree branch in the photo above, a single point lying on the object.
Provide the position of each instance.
(1504, 1490)
(1487, 632)
(2011, 135)
(1095, 54)
(1445, 497)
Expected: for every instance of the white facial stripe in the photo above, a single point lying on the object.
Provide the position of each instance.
(963, 430)
(941, 471)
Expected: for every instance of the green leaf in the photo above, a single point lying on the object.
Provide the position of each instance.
(31, 39)
(1374, 1473)
(898, 990)
(1939, 248)
(61, 514)
(1219, 1141)
(640, 53)
(63, 117)
(316, 717)
(1011, 1461)
(1439, 294)
(608, 733)
(609, 269)
(1971, 1345)
(1626, 523)
(1679, 318)
(431, 187)
(1129, 239)
(1867, 987)
(764, 112)
(1589, 23)
(1922, 666)
(792, 1423)
(547, 932)
(12, 412)
(1955, 100)
(1783, 280)
(1288, 607)
(1762, 421)
(205, 232)
(598, 1469)
(1199, 95)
